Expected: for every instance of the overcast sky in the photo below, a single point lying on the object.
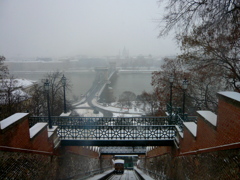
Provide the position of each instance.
(56, 28)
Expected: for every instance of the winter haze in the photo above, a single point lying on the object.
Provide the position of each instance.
(56, 28)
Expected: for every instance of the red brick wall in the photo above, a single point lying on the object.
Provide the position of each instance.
(209, 137)
(228, 125)
(41, 142)
(188, 142)
(81, 150)
(206, 134)
(158, 151)
(16, 135)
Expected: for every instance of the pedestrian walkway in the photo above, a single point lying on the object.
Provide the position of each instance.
(142, 174)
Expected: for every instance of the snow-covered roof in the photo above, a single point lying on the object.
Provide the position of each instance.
(231, 95)
(192, 127)
(24, 83)
(209, 116)
(119, 161)
(16, 96)
(11, 119)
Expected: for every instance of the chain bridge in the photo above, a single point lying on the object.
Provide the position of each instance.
(104, 131)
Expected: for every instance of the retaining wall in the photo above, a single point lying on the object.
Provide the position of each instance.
(208, 149)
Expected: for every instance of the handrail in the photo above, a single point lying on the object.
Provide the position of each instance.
(141, 128)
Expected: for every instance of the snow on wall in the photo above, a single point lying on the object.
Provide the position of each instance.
(192, 127)
(230, 94)
(36, 128)
(209, 116)
(11, 119)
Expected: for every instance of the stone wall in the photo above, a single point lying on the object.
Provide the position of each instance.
(72, 165)
(211, 165)
(37, 165)
(28, 166)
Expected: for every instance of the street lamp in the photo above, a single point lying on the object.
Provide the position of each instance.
(184, 86)
(64, 79)
(171, 78)
(46, 88)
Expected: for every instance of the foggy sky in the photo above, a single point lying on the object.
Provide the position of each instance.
(31, 28)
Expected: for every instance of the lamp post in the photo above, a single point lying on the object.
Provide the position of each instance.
(184, 86)
(171, 78)
(46, 88)
(64, 79)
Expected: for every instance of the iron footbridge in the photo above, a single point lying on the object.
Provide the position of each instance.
(91, 131)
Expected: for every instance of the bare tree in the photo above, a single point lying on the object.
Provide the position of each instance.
(3, 68)
(203, 84)
(56, 92)
(37, 104)
(217, 53)
(223, 15)
(12, 98)
(149, 99)
(126, 98)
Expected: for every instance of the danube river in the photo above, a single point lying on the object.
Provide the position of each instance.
(82, 81)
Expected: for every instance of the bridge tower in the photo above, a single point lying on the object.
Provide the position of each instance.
(102, 74)
(112, 66)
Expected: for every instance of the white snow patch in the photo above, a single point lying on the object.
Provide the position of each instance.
(36, 128)
(192, 127)
(209, 116)
(83, 105)
(118, 109)
(65, 114)
(232, 95)
(125, 115)
(24, 83)
(87, 113)
(12, 119)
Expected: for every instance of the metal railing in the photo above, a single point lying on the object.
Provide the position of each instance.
(178, 118)
(139, 128)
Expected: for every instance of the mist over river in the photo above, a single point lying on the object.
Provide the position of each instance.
(82, 81)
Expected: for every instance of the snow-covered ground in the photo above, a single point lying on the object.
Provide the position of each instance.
(113, 107)
(119, 111)
(86, 112)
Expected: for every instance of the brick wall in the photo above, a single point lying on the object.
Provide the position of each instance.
(82, 150)
(228, 120)
(158, 151)
(16, 135)
(212, 153)
(25, 157)
(223, 135)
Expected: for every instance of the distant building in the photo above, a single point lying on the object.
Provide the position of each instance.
(15, 96)
(44, 59)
